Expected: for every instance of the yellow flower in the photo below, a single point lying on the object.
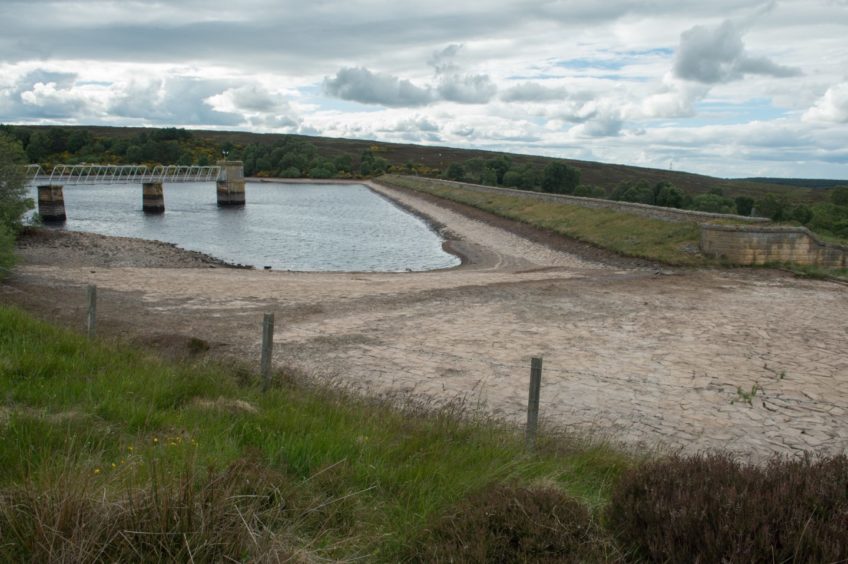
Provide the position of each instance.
(96, 471)
(129, 448)
(114, 465)
(155, 440)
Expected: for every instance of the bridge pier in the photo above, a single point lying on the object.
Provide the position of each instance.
(153, 198)
(51, 203)
(231, 183)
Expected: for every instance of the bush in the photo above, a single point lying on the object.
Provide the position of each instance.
(713, 509)
(233, 515)
(506, 523)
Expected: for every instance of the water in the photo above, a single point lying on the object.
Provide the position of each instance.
(301, 227)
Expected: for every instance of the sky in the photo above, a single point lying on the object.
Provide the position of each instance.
(729, 88)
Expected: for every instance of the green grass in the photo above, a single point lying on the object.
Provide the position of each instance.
(627, 234)
(86, 426)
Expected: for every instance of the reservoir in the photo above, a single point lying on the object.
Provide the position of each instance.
(302, 227)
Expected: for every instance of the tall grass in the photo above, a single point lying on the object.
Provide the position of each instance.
(105, 451)
(627, 234)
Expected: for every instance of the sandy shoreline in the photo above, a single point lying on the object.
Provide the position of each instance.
(651, 358)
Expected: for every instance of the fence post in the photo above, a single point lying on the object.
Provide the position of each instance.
(91, 318)
(267, 347)
(533, 400)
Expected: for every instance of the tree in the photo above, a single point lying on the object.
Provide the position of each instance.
(455, 172)
(13, 195)
(668, 195)
(713, 203)
(776, 208)
(744, 205)
(802, 214)
(839, 196)
(560, 178)
(39, 147)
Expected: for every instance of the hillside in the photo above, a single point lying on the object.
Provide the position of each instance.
(436, 160)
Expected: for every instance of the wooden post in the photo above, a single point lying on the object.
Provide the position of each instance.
(267, 348)
(533, 400)
(91, 318)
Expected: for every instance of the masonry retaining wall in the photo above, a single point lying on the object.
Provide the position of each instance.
(756, 244)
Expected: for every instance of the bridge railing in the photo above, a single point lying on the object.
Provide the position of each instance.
(121, 174)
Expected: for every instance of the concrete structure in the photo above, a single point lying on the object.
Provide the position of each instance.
(51, 203)
(756, 244)
(229, 177)
(153, 198)
(231, 183)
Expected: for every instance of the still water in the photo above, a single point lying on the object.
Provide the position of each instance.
(285, 226)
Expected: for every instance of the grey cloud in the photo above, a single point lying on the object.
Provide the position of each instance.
(415, 124)
(607, 125)
(176, 101)
(362, 85)
(442, 60)
(467, 89)
(717, 54)
(43, 94)
(255, 98)
(533, 92)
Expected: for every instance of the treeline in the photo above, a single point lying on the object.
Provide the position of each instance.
(56, 145)
(560, 178)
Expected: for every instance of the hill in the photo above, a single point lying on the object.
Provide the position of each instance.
(426, 160)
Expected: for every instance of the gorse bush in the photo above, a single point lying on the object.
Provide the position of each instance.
(511, 523)
(713, 509)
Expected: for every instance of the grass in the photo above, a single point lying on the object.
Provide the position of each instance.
(104, 449)
(627, 234)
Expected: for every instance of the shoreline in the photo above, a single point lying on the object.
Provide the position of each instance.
(650, 360)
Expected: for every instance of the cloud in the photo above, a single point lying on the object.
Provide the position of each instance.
(676, 99)
(176, 101)
(368, 87)
(533, 92)
(43, 94)
(832, 107)
(361, 85)
(712, 55)
(456, 86)
(467, 89)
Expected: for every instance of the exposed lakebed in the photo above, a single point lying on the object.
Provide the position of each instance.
(303, 227)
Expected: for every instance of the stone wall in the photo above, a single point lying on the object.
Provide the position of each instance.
(654, 212)
(756, 244)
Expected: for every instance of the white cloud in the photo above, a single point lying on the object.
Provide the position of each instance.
(832, 107)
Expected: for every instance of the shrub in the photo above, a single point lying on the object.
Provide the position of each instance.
(224, 516)
(713, 509)
(508, 523)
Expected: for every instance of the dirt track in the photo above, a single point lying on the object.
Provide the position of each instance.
(650, 357)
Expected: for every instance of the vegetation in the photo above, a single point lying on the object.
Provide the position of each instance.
(713, 509)
(105, 451)
(107, 454)
(627, 234)
(13, 197)
(815, 204)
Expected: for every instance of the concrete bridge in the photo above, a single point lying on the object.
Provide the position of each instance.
(228, 177)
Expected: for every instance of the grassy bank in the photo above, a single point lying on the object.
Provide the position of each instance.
(110, 455)
(103, 448)
(623, 233)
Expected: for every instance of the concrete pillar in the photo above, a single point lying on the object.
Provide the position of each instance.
(231, 183)
(51, 203)
(153, 198)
